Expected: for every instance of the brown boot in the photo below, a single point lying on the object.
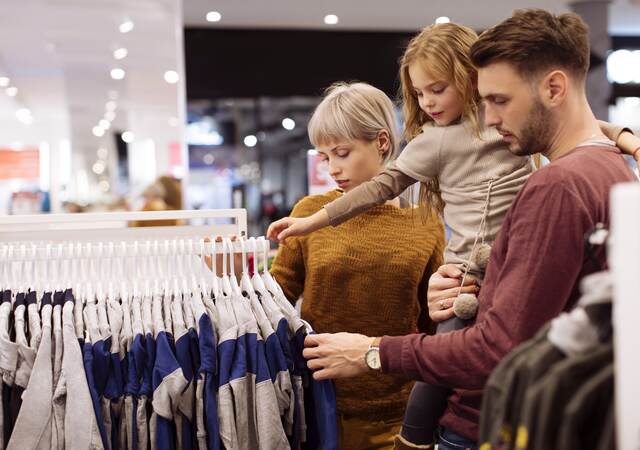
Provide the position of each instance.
(400, 443)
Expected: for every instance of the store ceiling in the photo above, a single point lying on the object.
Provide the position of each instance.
(405, 15)
(59, 54)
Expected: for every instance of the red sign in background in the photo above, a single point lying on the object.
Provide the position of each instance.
(23, 164)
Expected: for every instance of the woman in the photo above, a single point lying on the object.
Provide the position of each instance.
(370, 274)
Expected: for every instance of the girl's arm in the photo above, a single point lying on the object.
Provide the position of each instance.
(625, 140)
(386, 186)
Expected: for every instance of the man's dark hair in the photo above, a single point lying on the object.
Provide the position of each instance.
(536, 41)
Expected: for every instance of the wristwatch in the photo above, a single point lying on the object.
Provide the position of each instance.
(372, 356)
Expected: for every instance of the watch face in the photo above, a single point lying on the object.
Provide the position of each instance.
(372, 358)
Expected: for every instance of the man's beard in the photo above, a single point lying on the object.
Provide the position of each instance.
(537, 135)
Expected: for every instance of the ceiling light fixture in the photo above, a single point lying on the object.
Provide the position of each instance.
(288, 123)
(214, 16)
(171, 76)
(128, 137)
(97, 131)
(120, 53)
(250, 140)
(126, 26)
(443, 19)
(331, 19)
(104, 124)
(111, 105)
(11, 91)
(4, 81)
(24, 116)
(117, 74)
(110, 116)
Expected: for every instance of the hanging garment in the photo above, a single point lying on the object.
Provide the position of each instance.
(8, 364)
(26, 353)
(208, 428)
(136, 360)
(33, 426)
(81, 430)
(59, 386)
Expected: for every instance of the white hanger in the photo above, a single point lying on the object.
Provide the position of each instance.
(226, 283)
(217, 289)
(269, 282)
(232, 272)
(204, 287)
(245, 282)
(256, 280)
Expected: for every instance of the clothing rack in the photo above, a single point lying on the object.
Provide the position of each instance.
(89, 227)
(625, 266)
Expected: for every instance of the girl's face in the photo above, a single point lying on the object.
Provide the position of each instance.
(354, 162)
(437, 98)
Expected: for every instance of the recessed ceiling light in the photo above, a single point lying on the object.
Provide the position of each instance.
(214, 16)
(24, 116)
(126, 26)
(110, 116)
(104, 124)
(111, 105)
(250, 140)
(443, 19)
(98, 167)
(4, 81)
(117, 74)
(331, 19)
(288, 123)
(171, 76)
(128, 137)
(11, 91)
(120, 53)
(97, 131)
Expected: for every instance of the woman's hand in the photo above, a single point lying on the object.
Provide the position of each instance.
(444, 287)
(297, 226)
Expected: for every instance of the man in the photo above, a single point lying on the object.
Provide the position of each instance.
(532, 72)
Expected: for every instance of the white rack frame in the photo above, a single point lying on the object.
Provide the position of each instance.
(625, 267)
(89, 227)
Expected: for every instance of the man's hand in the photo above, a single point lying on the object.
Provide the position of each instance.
(297, 226)
(444, 287)
(339, 355)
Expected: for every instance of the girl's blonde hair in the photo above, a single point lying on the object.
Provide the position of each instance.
(353, 111)
(443, 52)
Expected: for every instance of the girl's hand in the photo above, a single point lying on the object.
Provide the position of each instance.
(444, 287)
(297, 226)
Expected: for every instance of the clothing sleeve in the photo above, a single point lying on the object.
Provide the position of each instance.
(542, 262)
(419, 161)
(390, 183)
(425, 324)
(288, 267)
(612, 131)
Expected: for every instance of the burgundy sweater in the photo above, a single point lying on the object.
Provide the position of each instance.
(536, 264)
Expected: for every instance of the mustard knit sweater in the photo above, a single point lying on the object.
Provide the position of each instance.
(368, 275)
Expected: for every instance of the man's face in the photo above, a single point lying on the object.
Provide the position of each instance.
(514, 107)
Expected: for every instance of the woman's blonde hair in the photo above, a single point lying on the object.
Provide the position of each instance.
(442, 50)
(353, 111)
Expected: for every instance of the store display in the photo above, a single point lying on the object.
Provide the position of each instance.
(169, 355)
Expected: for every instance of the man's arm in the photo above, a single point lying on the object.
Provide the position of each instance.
(544, 256)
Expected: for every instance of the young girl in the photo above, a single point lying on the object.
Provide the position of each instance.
(466, 172)
(354, 132)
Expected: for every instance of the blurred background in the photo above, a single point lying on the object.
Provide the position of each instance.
(112, 105)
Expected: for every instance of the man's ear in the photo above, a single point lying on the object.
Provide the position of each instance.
(554, 88)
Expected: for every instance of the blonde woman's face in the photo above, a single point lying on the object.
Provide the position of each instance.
(437, 98)
(351, 163)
